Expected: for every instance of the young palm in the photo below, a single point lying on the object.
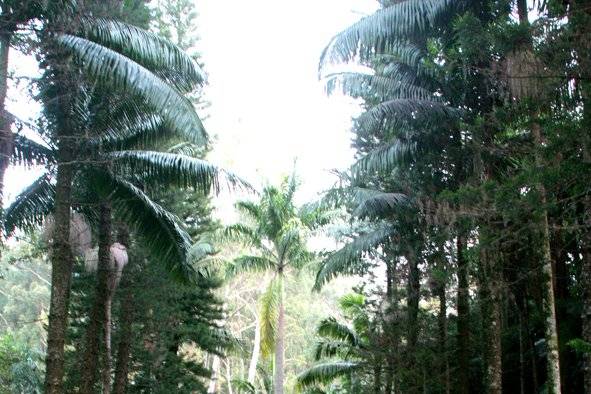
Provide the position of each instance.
(276, 232)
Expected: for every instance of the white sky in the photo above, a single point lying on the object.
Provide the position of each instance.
(268, 107)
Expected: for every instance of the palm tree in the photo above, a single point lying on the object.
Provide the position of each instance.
(276, 232)
(345, 350)
(148, 76)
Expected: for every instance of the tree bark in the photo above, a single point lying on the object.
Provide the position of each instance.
(62, 262)
(124, 347)
(549, 299)
(6, 140)
(279, 343)
(442, 331)
(463, 318)
(494, 370)
(98, 316)
(252, 367)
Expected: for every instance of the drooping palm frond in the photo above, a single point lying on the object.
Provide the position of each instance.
(379, 204)
(242, 233)
(148, 49)
(330, 348)
(170, 168)
(250, 208)
(348, 259)
(117, 71)
(399, 86)
(331, 328)
(400, 111)
(31, 206)
(164, 237)
(269, 313)
(325, 373)
(385, 158)
(248, 263)
(28, 152)
(124, 130)
(381, 31)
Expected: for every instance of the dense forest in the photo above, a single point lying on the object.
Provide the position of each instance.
(452, 256)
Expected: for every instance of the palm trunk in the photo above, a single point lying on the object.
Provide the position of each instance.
(549, 299)
(62, 262)
(252, 367)
(98, 313)
(124, 347)
(393, 334)
(107, 360)
(463, 317)
(215, 371)
(279, 343)
(413, 300)
(6, 140)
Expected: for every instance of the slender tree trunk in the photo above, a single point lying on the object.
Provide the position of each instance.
(62, 262)
(98, 313)
(6, 140)
(252, 367)
(215, 375)
(463, 318)
(413, 299)
(493, 315)
(549, 299)
(124, 347)
(107, 360)
(279, 343)
(392, 300)
(442, 328)
(377, 377)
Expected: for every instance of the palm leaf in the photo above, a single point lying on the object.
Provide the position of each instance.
(346, 261)
(385, 158)
(170, 168)
(116, 71)
(325, 373)
(269, 313)
(31, 206)
(28, 152)
(401, 111)
(148, 49)
(251, 263)
(379, 204)
(242, 233)
(381, 32)
(161, 231)
(331, 328)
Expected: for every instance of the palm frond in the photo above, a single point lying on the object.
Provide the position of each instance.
(242, 233)
(170, 168)
(250, 208)
(31, 206)
(164, 237)
(148, 49)
(325, 373)
(248, 263)
(269, 313)
(330, 348)
(348, 259)
(401, 111)
(28, 152)
(380, 204)
(331, 328)
(119, 72)
(385, 158)
(382, 31)
(362, 85)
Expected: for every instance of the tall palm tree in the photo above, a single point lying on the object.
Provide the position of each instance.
(147, 76)
(276, 233)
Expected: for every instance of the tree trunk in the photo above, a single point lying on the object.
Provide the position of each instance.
(463, 318)
(549, 299)
(442, 328)
(124, 348)
(495, 351)
(98, 313)
(62, 262)
(377, 378)
(107, 360)
(279, 343)
(392, 300)
(6, 140)
(413, 299)
(215, 372)
(252, 367)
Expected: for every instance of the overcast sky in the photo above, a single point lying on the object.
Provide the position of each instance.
(268, 107)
